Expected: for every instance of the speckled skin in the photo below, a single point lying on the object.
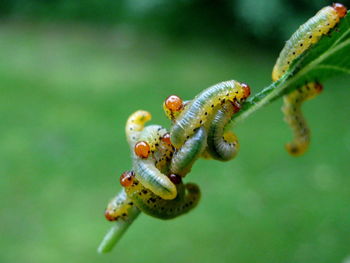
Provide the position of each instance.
(222, 146)
(135, 124)
(183, 159)
(146, 171)
(201, 107)
(151, 204)
(307, 34)
(294, 117)
(119, 207)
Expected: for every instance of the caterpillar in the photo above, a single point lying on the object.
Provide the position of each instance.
(119, 207)
(145, 168)
(223, 146)
(202, 106)
(135, 124)
(307, 34)
(294, 116)
(122, 211)
(183, 159)
(151, 204)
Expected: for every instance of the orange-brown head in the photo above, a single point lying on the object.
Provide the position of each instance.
(318, 87)
(340, 9)
(109, 216)
(142, 149)
(173, 103)
(166, 138)
(246, 90)
(127, 178)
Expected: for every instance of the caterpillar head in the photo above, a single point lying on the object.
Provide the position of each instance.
(127, 178)
(296, 149)
(166, 138)
(246, 90)
(172, 106)
(176, 179)
(142, 149)
(340, 9)
(318, 87)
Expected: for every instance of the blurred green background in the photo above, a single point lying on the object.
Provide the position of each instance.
(71, 72)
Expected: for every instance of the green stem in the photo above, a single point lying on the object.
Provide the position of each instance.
(117, 231)
(264, 97)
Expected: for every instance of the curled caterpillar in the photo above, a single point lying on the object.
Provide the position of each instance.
(119, 207)
(223, 146)
(202, 106)
(294, 117)
(307, 34)
(183, 159)
(151, 204)
(146, 170)
(135, 124)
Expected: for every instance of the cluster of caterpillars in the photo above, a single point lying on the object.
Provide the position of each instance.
(162, 158)
(307, 34)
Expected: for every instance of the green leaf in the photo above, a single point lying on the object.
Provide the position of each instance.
(329, 57)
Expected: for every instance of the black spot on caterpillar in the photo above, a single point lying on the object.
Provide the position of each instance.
(307, 35)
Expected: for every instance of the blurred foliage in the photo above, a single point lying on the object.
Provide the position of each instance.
(65, 97)
(266, 20)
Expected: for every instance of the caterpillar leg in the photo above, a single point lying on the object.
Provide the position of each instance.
(123, 212)
(294, 117)
(184, 158)
(145, 162)
(223, 146)
(151, 204)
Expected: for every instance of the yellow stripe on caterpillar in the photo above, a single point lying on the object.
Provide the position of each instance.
(307, 35)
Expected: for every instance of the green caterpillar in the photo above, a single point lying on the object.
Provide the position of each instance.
(145, 169)
(183, 159)
(307, 35)
(294, 117)
(222, 146)
(202, 106)
(119, 207)
(151, 204)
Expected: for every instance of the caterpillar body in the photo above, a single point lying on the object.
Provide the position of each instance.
(135, 124)
(222, 146)
(145, 168)
(202, 106)
(295, 119)
(120, 207)
(307, 34)
(183, 159)
(151, 204)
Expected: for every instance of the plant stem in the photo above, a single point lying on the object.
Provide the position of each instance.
(117, 231)
(264, 97)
